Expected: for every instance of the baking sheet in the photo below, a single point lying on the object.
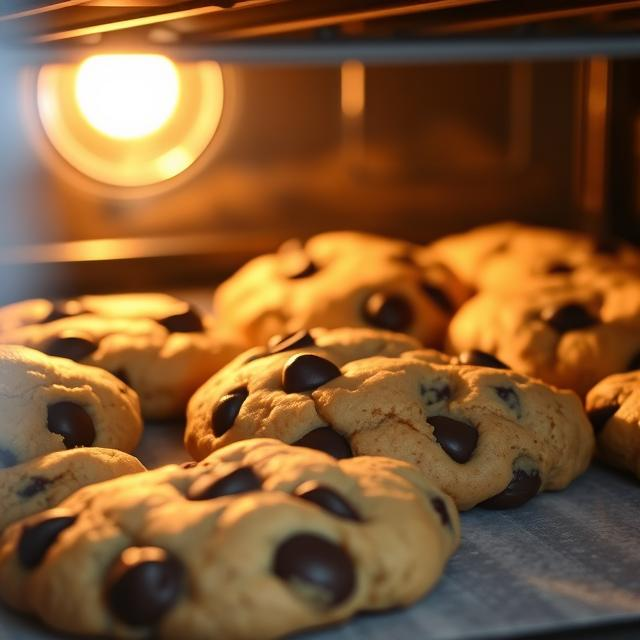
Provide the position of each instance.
(562, 561)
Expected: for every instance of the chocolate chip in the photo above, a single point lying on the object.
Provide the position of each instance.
(188, 465)
(600, 416)
(294, 262)
(569, 317)
(36, 538)
(510, 398)
(327, 440)
(68, 346)
(35, 485)
(143, 584)
(327, 499)
(559, 267)
(306, 372)
(315, 561)
(72, 422)
(7, 459)
(227, 410)
(479, 358)
(388, 311)
(438, 296)
(298, 340)
(521, 489)
(606, 245)
(458, 439)
(241, 480)
(434, 394)
(187, 322)
(121, 374)
(634, 363)
(441, 509)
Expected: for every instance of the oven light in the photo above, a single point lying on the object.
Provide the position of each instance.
(126, 96)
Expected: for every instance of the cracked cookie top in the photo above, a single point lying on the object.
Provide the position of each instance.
(482, 433)
(257, 541)
(341, 279)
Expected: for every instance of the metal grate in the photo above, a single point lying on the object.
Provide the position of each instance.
(197, 21)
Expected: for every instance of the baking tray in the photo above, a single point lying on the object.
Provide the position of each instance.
(565, 561)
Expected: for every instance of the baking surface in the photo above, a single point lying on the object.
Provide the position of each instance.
(564, 560)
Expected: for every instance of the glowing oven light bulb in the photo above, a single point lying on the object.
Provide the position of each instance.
(127, 96)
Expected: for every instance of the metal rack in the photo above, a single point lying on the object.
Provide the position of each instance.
(200, 22)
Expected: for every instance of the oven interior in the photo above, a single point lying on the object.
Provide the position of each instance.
(413, 119)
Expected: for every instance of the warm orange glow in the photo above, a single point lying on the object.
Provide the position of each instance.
(129, 120)
(127, 96)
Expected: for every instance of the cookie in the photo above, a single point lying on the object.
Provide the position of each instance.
(507, 255)
(341, 279)
(483, 434)
(164, 359)
(569, 335)
(257, 541)
(164, 309)
(52, 404)
(44, 482)
(335, 347)
(613, 406)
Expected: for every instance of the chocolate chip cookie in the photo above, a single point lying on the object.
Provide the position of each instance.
(52, 404)
(326, 349)
(257, 541)
(570, 335)
(613, 406)
(163, 357)
(508, 255)
(44, 482)
(483, 434)
(341, 279)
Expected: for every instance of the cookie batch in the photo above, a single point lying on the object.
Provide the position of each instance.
(342, 400)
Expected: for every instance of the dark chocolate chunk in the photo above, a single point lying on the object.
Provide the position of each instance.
(441, 509)
(227, 410)
(388, 311)
(479, 358)
(72, 422)
(521, 489)
(294, 262)
(34, 485)
(309, 559)
(121, 374)
(434, 394)
(510, 397)
(327, 440)
(241, 480)
(69, 346)
(438, 296)
(188, 321)
(297, 340)
(7, 459)
(458, 439)
(327, 499)
(143, 584)
(36, 538)
(634, 363)
(306, 372)
(559, 267)
(569, 317)
(607, 245)
(601, 415)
